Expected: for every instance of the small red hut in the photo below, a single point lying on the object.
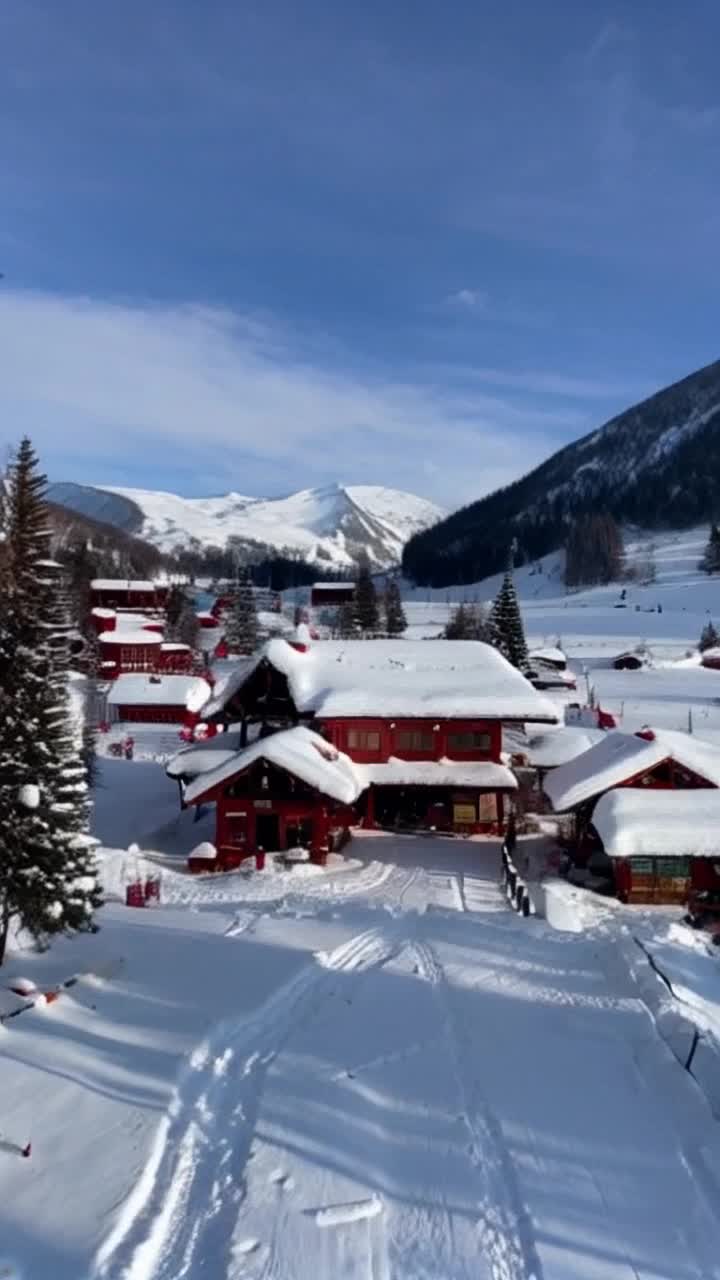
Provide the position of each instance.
(291, 788)
(329, 595)
(155, 699)
(128, 593)
(663, 847)
(128, 651)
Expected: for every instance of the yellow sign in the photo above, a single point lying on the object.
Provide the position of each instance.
(464, 814)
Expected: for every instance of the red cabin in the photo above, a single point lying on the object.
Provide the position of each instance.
(155, 699)
(663, 848)
(128, 651)
(329, 595)
(127, 593)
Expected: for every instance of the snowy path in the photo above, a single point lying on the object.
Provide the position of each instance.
(449, 1092)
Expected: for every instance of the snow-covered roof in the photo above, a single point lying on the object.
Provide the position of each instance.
(684, 824)
(450, 679)
(161, 691)
(100, 612)
(122, 584)
(548, 653)
(558, 746)
(201, 757)
(332, 586)
(130, 637)
(439, 773)
(173, 646)
(302, 753)
(619, 756)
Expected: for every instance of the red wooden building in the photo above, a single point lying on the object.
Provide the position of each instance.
(128, 651)
(156, 699)
(329, 595)
(128, 593)
(662, 847)
(419, 725)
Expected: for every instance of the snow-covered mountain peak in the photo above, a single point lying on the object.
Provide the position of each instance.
(330, 524)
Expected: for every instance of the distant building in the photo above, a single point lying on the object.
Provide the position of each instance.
(329, 595)
(127, 593)
(155, 699)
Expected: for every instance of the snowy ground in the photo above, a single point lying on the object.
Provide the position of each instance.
(373, 1071)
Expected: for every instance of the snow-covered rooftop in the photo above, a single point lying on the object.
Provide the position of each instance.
(685, 824)
(201, 757)
(130, 637)
(548, 653)
(439, 773)
(620, 756)
(100, 612)
(332, 586)
(122, 584)
(558, 746)
(405, 678)
(167, 691)
(174, 646)
(301, 752)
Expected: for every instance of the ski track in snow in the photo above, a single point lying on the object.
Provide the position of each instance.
(505, 1230)
(186, 1204)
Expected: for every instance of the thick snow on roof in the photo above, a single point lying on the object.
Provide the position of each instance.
(130, 637)
(122, 584)
(683, 824)
(548, 653)
(174, 646)
(161, 691)
(332, 586)
(439, 773)
(558, 746)
(302, 753)
(403, 678)
(621, 755)
(100, 612)
(201, 757)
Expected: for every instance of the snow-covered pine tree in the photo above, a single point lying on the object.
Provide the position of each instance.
(457, 626)
(91, 709)
(709, 638)
(347, 623)
(47, 875)
(188, 627)
(505, 627)
(395, 619)
(710, 562)
(176, 602)
(366, 603)
(241, 624)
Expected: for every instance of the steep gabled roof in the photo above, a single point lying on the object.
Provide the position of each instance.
(302, 753)
(448, 679)
(620, 756)
(158, 691)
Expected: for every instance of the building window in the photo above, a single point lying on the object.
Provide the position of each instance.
(470, 740)
(363, 740)
(414, 740)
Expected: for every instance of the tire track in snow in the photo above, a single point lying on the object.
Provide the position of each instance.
(190, 1192)
(506, 1233)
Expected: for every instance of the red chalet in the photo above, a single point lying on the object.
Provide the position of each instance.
(128, 651)
(155, 699)
(414, 728)
(127, 593)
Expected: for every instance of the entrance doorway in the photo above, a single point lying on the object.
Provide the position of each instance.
(267, 832)
(298, 833)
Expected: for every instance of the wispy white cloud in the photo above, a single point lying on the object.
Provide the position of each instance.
(469, 299)
(108, 389)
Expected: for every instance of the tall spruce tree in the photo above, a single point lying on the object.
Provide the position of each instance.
(395, 619)
(710, 562)
(241, 624)
(366, 602)
(505, 626)
(709, 638)
(47, 868)
(347, 623)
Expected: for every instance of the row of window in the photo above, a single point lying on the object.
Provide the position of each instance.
(418, 740)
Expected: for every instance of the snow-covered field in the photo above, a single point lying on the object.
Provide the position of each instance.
(374, 1070)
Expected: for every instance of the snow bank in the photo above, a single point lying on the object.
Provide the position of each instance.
(356, 1211)
(204, 850)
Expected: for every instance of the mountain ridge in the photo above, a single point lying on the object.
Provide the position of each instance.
(657, 464)
(329, 525)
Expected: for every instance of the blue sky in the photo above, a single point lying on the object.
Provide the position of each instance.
(262, 246)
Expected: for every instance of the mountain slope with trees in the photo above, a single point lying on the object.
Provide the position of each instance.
(657, 466)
